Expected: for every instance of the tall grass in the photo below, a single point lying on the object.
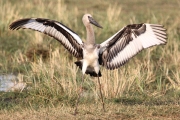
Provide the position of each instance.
(153, 72)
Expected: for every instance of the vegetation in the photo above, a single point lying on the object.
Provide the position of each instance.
(147, 87)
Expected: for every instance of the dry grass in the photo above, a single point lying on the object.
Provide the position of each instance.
(91, 111)
(149, 83)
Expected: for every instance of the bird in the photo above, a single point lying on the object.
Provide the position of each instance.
(111, 54)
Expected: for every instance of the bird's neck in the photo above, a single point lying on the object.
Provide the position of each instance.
(90, 35)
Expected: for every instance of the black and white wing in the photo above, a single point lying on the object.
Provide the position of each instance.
(69, 39)
(127, 42)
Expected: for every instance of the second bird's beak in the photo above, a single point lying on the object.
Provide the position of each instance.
(92, 21)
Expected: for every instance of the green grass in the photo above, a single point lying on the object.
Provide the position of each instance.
(146, 87)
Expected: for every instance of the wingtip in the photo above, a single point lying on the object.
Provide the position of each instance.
(156, 25)
(11, 27)
(18, 23)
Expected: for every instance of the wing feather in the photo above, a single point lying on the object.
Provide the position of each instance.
(60, 32)
(115, 52)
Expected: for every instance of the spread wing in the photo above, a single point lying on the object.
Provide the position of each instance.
(129, 41)
(69, 39)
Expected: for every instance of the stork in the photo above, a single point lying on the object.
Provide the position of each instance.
(111, 54)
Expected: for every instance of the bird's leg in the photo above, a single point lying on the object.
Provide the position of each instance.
(79, 95)
(102, 99)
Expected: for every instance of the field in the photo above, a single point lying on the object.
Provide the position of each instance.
(147, 87)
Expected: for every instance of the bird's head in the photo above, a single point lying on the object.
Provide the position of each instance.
(87, 19)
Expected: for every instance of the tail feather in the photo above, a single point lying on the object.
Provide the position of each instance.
(88, 71)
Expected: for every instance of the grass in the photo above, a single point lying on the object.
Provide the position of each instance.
(115, 111)
(147, 87)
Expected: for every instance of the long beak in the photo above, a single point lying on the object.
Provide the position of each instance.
(92, 21)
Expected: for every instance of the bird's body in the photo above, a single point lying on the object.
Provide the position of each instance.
(90, 59)
(112, 53)
(90, 63)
